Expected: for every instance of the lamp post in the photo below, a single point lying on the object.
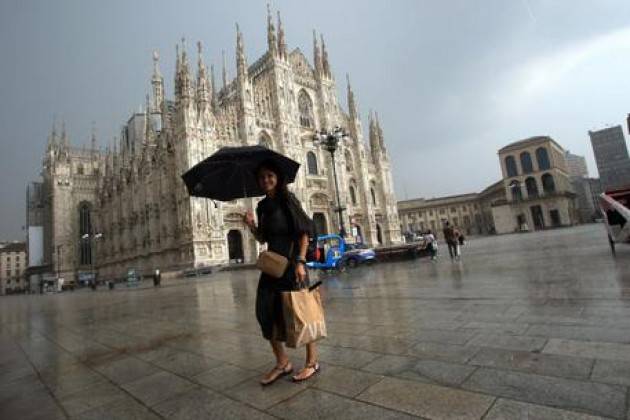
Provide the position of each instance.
(89, 237)
(330, 141)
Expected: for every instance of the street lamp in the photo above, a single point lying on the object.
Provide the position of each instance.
(89, 237)
(330, 141)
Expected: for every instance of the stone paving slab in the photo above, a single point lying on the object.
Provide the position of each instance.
(206, 404)
(608, 351)
(428, 401)
(157, 387)
(539, 363)
(611, 372)
(314, 404)
(427, 371)
(126, 408)
(598, 399)
(509, 342)
(343, 381)
(511, 410)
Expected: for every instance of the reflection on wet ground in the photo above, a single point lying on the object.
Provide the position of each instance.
(524, 326)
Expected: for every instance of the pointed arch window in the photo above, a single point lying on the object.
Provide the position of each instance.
(265, 141)
(543, 159)
(349, 161)
(305, 108)
(549, 185)
(85, 230)
(80, 170)
(353, 195)
(373, 193)
(311, 163)
(526, 163)
(510, 166)
(532, 187)
(517, 193)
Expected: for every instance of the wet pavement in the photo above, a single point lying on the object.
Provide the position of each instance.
(525, 326)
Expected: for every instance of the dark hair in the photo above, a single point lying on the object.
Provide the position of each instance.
(270, 165)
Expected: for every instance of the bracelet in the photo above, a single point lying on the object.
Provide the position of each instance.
(300, 260)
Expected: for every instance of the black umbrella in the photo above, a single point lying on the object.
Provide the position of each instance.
(229, 173)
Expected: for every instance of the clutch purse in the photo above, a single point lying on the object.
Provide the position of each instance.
(272, 263)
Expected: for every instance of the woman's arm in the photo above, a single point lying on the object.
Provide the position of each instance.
(300, 266)
(248, 219)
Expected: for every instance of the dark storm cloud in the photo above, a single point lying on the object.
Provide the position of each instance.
(452, 81)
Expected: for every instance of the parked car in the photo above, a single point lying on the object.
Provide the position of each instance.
(358, 254)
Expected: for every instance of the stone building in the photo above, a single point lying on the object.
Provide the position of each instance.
(127, 207)
(472, 213)
(12, 266)
(534, 193)
(537, 187)
(611, 156)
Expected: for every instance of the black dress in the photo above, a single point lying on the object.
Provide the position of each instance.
(276, 228)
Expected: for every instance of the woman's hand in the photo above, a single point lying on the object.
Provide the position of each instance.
(248, 219)
(300, 273)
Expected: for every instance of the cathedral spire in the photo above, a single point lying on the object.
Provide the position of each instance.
(352, 107)
(379, 131)
(271, 34)
(325, 64)
(93, 137)
(282, 45)
(64, 136)
(213, 89)
(317, 58)
(186, 80)
(241, 61)
(224, 70)
(373, 135)
(178, 87)
(204, 90)
(157, 82)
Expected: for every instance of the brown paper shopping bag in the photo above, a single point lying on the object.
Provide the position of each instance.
(303, 317)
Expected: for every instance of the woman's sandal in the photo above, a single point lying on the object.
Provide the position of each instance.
(276, 373)
(315, 367)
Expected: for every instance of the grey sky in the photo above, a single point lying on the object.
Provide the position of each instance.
(453, 81)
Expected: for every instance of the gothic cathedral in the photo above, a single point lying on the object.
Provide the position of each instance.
(127, 207)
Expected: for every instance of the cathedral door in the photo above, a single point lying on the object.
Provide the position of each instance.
(320, 223)
(379, 235)
(235, 246)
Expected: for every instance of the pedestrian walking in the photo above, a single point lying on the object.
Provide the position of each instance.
(157, 278)
(431, 244)
(284, 227)
(451, 240)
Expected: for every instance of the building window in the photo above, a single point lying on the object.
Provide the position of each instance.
(311, 163)
(515, 187)
(349, 163)
(532, 187)
(549, 186)
(85, 228)
(526, 163)
(305, 108)
(542, 157)
(442, 211)
(265, 141)
(80, 169)
(453, 210)
(510, 166)
(373, 196)
(353, 196)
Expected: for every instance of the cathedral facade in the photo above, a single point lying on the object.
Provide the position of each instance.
(127, 207)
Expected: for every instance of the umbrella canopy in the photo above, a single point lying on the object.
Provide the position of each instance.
(229, 173)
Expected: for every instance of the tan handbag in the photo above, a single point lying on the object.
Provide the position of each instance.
(272, 263)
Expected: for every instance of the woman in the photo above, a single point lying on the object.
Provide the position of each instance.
(284, 226)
